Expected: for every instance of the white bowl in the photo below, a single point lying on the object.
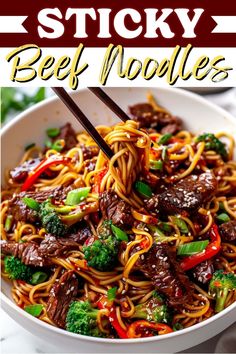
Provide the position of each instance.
(199, 116)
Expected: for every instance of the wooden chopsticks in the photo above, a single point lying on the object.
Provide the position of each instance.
(83, 120)
(109, 102)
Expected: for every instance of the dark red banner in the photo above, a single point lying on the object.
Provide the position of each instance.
(137, 26)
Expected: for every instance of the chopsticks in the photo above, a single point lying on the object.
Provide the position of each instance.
(109, 102)
(83, 120)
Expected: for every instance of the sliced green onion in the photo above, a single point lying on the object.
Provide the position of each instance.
(164, 139)
(111, 293)
(164, 226)
(164, 153)
(177, 327)
(29, 146)
(53, 132)
(34, 310)
(156, 231)
(58, 145)
(221, 206)
(31, 203)
(8, 223)
(158, 235)
(77, 195)
(38, 278)
(156, 165)
(223, 217)
(120, 234)
(190, 248)
(143, 189)
(48, 144)
(181, 224)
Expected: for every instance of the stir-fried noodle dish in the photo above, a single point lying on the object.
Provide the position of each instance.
(140, 245)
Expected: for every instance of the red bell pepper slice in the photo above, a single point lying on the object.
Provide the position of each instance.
(98, 180)
(160, 328)
(104, 303)
(43, 165)
(210, 251)
(115, 324)
(144, 244)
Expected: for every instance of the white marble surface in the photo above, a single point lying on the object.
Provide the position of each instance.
(15, 339)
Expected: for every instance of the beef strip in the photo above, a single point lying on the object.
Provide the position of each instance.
(159, 265)
(21, 212)
(217, 263)
(80, 233)
(148, 117)
(116, 209)
(68, 134)
(144, 114)
(28, 252)
(20, 173)
(90, 164)
(61, 295)
(228, 231)
(169, 124)
(203, 272)
(187, 195)
(57, 193)
(89, 151)
(172, 128)
(53, 246)
(32, 253)
(152, 204)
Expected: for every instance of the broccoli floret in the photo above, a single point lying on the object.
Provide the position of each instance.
(51, 220)
(97, 333)
(220, 285)
(158, 297)
(213, 143)
(17, 270)
(82, 318)
(153, 310)
(102, 255)
(57, 220)
(104, 230)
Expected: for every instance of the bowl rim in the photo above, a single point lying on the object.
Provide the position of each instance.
(47, 326)
(9, 303)
(178, 91)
